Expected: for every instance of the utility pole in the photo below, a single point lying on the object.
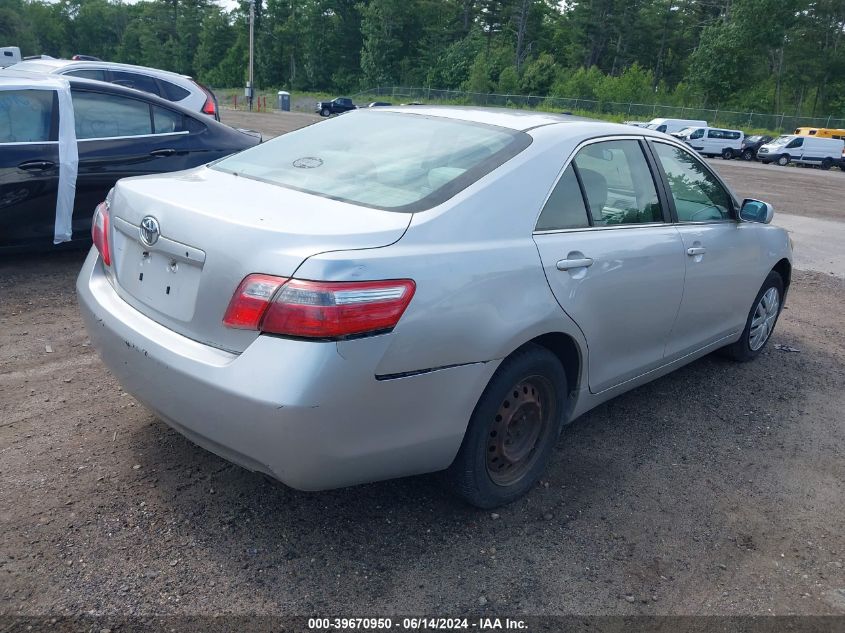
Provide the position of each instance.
(250, 84)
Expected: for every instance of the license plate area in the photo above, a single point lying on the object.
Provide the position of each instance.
(165, 277)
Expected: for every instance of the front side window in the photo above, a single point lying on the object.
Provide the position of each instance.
(698, 196)
(565, 207)
(699, 133)
(618, 183)
(385, 160)
(796, 142)
(101, 115)
(26, 115)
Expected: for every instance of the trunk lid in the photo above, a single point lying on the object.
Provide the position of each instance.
(213, 229)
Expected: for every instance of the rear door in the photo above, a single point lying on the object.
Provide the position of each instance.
(29, 166)
(614, 263)
(721, 255)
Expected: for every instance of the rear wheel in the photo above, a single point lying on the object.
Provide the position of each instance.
(512, 431)
(783, 161)
(747, 155)
(727, 153)
(761, 320)
(827, 163)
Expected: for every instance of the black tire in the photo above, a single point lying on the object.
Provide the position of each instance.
(783, 161)
(827, 163)
(532, 428)
(748, 155)
(742, 350)
(765, 162)
(325, 112)
(727, 153)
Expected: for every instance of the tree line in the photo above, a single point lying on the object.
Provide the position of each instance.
(750, 55)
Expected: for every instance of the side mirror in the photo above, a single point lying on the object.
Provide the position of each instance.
(756, 211)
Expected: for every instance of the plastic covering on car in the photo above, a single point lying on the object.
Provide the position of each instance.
(68, 155)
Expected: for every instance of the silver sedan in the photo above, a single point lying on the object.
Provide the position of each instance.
(406, 290)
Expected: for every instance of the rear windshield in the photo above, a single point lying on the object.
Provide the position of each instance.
(387, 160)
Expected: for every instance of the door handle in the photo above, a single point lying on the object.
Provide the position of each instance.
(569, 264)
(163, 152)
(36, 165)
(696, 250)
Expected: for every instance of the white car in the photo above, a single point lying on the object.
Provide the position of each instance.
(711, 141)
(174, 87)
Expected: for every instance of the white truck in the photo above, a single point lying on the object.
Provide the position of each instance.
(9, 55)
(667, 126)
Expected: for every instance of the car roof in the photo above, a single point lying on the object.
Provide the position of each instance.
(57, 65)
(523, 120)
(14, 76)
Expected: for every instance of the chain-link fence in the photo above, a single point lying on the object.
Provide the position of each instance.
(628, 111)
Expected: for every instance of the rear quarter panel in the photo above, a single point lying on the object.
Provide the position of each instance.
(481, 291)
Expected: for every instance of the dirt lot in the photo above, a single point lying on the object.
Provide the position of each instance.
(717, 489)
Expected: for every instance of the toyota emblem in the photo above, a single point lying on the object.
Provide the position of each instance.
(149, 230)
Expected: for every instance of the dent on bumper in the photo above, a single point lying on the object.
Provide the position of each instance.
(296, 410)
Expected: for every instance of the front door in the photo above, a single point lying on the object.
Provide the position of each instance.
(29, 167)
(721, 254)
(615, 264)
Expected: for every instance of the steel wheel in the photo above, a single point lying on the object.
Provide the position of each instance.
(520, 421)
(763, 322)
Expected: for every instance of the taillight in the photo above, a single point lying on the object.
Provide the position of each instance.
(318, 309)
(100, 231)
(208, 107)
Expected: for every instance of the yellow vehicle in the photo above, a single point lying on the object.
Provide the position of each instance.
(821, 132)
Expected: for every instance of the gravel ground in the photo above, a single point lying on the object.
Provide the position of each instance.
(715, 490)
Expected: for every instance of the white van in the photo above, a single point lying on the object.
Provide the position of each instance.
(803, 150)
(673, 125)
(711, 141)
(9, 55)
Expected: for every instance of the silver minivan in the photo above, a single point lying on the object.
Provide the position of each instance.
(423, 289)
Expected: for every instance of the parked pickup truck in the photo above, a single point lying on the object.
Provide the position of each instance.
(335, 106)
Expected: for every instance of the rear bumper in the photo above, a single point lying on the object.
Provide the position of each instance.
(296, 410)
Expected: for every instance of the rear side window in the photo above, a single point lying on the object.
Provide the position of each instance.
(100, 115)
(26, 115)
(618, 183)
(89, 73)
(135, 80)
(167, 121)
(387, 160)
(565, 207)
(171, 91)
